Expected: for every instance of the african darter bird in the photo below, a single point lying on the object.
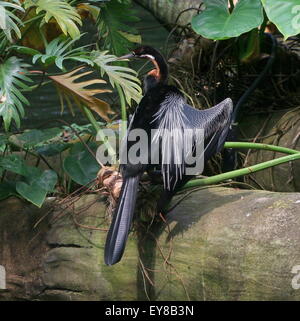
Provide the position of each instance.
(162, 107)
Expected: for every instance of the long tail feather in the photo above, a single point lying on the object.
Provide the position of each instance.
(119, 228)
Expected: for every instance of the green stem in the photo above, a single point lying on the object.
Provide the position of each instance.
(100, 134)
(123, 110)
(33, 19)
(45, 42)
(240, 172)
(13, 144)
(273, 148)
(30, 88)
(263, 25)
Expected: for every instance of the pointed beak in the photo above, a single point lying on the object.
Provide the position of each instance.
(128, 56)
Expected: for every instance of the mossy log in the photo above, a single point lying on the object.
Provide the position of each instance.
(218, 244)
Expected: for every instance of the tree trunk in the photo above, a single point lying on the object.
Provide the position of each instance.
(168, 11)
(219, 244)
(283, 129)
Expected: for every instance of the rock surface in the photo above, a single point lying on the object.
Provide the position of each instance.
(218, 244)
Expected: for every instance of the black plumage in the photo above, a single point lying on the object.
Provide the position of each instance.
(163, 108)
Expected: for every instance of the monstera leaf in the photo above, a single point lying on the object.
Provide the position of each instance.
(8, 20)
(59, 50)
(285, 14)
(123, 76)
(12, 81)
(217, 22)
(77, 91)
(61, 11)
(113, 27)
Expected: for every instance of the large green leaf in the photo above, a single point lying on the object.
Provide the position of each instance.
(216, 22)
(12, 77)
(113, 28)
(46, 180)
(46, 142)
(64, 14)
(14, 163)
(32, 193)
(37, 188)
(9, 21)
(52, 149)
(25, 50)
(37, 182)
(34, 137)
(285, 14)
(80, 165)
(123, 76)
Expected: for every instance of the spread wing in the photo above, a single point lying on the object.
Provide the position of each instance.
(180, 129)
(215, 121)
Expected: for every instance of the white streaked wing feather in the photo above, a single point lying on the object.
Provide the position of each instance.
(174, 117)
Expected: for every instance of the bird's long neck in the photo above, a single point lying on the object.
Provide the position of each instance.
(158, 75)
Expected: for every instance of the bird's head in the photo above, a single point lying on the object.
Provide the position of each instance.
(157, 75)
(144, 52)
